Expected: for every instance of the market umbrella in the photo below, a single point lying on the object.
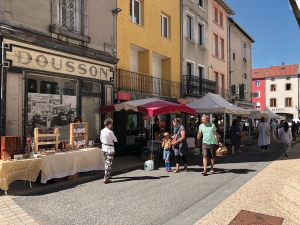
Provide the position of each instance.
(271, 114)
(150, 106)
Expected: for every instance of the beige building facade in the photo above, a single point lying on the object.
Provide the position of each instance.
(217, 45)
(240, 64)
(58, 63)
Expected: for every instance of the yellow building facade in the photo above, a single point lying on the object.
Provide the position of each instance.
(148, 47)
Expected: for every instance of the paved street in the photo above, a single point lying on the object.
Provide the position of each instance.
(145, 197)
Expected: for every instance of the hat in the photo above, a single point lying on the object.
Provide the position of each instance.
(166, 134)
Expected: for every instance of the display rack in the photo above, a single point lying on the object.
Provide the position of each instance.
(43, 132)
(81, 131)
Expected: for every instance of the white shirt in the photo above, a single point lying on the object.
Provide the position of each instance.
(286, 137)
(107, 138)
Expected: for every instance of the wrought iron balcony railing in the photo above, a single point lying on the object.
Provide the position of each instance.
(144, 84)
(197, 86)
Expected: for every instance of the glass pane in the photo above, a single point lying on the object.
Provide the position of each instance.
(90, 113)
(91, 87)
(165, 27)
(137, 12)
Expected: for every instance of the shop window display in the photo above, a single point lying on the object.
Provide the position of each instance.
(48, 105)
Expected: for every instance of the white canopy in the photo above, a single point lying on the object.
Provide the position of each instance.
(214, 103)
(257, 114)
(271, 114)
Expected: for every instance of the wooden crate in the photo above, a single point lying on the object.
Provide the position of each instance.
(12, 144)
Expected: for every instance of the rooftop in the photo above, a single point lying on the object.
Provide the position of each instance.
(259, 72)
(225, 6)
(283, 70)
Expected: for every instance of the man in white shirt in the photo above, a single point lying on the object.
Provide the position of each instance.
(108, 138)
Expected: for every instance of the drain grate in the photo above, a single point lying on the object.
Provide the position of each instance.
(249, 218)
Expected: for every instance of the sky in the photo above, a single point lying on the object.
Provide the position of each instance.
(273, 26)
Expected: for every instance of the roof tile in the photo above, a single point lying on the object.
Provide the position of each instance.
(283, 70)
(259, 72)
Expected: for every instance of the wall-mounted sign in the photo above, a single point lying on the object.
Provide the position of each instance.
(122, 96)
(32, 57)
(146, 117)
(162, 124)
(278, 109)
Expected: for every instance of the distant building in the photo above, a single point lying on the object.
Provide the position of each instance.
(259, 88)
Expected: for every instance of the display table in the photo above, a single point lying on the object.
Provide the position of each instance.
(68, 163)
(24, 169)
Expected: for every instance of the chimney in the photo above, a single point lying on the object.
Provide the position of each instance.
(282, 63)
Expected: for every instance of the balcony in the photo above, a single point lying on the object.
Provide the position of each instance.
(196, 86)
(145, 84)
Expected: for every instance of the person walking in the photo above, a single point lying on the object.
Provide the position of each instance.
(273, 129)
(263, 136)
(108, 138)
(241, 124)
(166, 144)
(234, 136)
(208, 132)
(179, 144)
(286, 136)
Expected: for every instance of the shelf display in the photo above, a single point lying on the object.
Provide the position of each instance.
(40, 135)
(79, 130)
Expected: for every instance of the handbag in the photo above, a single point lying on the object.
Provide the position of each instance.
(222, 151)
(268, 132)
(242, 134)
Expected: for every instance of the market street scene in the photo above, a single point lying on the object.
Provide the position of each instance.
(171, 112)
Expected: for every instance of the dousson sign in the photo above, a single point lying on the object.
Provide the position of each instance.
(42, 60)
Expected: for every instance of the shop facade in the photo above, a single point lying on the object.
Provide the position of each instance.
(48, 82)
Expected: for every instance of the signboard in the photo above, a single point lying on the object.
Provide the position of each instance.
(122, 96)
(162, 124)
(32, 57)
(146, 117)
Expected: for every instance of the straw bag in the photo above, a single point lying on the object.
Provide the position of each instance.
(268, 132)
(242, 134)
(222, 151)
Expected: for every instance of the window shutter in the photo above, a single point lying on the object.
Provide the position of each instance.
(72, 15)
(64, 13)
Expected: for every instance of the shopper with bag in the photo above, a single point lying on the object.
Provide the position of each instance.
(264, 135)
(210, 142)
(286, 136)
(179, 144)
(234, 136)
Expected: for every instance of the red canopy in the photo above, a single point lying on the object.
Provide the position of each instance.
(149, 106)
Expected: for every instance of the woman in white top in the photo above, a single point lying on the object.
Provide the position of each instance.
(285, 134)
(108, 138)
(263, 137)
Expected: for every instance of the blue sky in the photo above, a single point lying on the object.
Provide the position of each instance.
(273, 25)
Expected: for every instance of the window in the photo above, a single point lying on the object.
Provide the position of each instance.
(257, 105)
(257, 83)
(216, 15)
(201, 71)
(201, 3)
(273, 87)
(288, 87)
(164, 26)
(189, 27)
(244, 50)
(190, 68)
(70, 12)
(273, 102)
(256, 94)
(221, 48)
(201, 34)
(288, 102)
(233, 56)
(215, 45)
(135, 11)
(221, 19)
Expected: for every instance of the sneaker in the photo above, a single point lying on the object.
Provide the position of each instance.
(107, 181)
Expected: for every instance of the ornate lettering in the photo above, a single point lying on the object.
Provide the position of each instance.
(41, 60)
(53, 64)
(24, 57)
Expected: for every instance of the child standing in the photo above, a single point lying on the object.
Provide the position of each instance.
(166, 144)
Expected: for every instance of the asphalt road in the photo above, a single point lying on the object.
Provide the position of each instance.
(139, 196)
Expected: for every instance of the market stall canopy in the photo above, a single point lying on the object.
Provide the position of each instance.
(214, 103)
(151, 106)
(257, 114)
(271, 114)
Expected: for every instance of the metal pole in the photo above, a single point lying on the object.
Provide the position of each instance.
(249, 129)
(224, 119)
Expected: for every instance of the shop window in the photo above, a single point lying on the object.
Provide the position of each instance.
(273, 87)
(273, 102)
(32, 86)
(288, 87)
(91, 87)
(49, 87)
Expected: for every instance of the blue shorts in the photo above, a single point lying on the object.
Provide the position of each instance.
(167, 154)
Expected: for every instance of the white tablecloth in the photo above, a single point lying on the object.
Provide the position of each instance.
(68, 163)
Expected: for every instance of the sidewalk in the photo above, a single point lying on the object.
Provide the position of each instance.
(274, 191)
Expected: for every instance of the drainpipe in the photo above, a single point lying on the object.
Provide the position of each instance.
(2, 90)
(181, 47)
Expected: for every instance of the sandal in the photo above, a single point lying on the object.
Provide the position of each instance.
(211, 171)
(185, 169)
(176, 171)
(204, 173)
(286, 154)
